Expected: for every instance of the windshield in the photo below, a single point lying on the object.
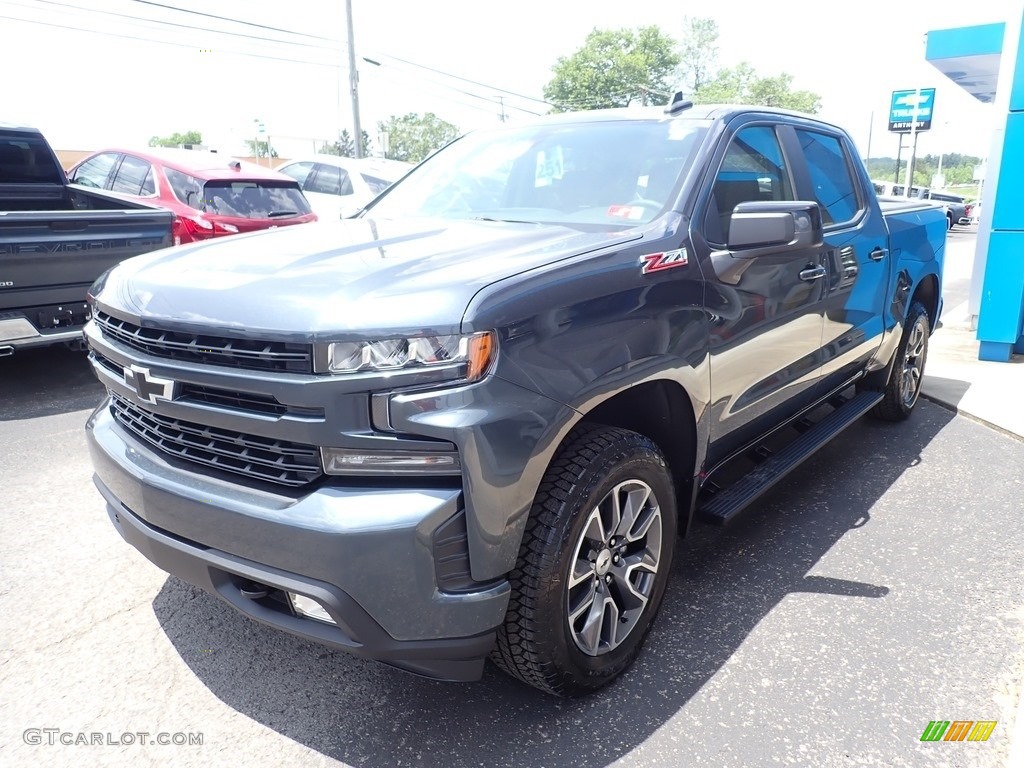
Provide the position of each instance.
(253, 199)
(607, 173)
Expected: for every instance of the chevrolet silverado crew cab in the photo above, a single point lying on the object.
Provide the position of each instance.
(55, 240)
(473, 421)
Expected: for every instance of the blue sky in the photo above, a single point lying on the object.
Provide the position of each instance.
(86, 90)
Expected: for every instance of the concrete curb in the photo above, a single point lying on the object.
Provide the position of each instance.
(968, 415)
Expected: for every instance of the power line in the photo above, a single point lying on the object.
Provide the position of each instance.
(572, 104)
(466, 79)
(167, 42)
(184, 26)
(437, 94)
(489, 99)
(233, 21)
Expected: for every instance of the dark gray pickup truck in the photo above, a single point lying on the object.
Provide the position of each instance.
(56, 239)
(473, 421)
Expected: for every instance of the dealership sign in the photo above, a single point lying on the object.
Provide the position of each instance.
(906, 105)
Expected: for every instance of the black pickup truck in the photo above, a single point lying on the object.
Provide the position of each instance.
(56, 239)
(473, 421)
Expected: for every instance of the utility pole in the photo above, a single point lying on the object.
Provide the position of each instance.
(353, 80)
(501, 101)
(913, 141)
(871, 126)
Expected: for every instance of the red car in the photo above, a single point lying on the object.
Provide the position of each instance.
(211, 194)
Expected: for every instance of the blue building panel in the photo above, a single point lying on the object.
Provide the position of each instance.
(1008, 213)
(1002, 298)
(980, 40)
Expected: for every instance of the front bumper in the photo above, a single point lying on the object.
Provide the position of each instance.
(366, 554)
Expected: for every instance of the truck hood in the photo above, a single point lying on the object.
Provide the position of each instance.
(353, 277)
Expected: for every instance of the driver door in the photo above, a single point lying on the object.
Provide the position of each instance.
(766, 304)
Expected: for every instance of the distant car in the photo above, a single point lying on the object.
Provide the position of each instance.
(210, 194)
(974, 213)
(341, 186)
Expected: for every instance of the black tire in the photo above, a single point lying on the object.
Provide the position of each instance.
(537, 643)
(949, 221)
(901, 392)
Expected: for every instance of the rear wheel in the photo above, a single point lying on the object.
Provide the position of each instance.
(905, 379)
(593, 564)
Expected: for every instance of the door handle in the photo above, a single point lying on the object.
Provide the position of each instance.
(878, 254)
(812, 273)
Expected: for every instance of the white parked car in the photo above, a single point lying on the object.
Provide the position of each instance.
(337, 187)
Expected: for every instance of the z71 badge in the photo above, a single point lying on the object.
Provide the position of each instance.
(657, 262)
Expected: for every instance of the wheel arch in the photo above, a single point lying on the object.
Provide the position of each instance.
(927, 292)
(662, 411)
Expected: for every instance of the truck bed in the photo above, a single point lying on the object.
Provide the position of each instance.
(908, 221)
(55, 240)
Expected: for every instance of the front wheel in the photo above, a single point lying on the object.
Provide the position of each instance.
(907, 375)
(593, 564)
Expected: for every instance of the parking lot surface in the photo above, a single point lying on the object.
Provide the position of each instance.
(875, 590)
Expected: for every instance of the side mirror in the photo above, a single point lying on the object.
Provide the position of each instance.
(774, 224)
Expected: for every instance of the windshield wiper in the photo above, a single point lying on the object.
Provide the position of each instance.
(274, 214)
(504, 221)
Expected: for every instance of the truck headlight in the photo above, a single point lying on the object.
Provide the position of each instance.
(469, 357)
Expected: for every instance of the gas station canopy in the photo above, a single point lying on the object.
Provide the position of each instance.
(969, 56)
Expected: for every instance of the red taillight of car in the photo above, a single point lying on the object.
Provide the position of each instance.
(189, 229)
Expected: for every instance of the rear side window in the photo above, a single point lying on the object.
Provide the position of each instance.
(376, 184)
(25, 159)
(329, 180)
(831, 180)
(298, 171)
(134, 177)
(254, 199)
(94, 172)
(188, 189)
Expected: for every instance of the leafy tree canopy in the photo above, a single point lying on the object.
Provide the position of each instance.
(413, 136)
(742, 85)
(177, 139)
(613, 68)
(617, 67)
(258, 148)
(345, 146)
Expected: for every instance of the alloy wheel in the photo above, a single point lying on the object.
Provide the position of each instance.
(614, 567)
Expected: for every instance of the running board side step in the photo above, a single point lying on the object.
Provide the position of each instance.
(726, 504)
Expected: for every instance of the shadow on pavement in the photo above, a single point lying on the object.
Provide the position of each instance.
(723, 584)
(47, 381)
(948, 392)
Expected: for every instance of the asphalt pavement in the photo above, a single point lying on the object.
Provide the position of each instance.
(877, 589)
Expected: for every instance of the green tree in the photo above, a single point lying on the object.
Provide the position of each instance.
(413, 136)
(743, 85)
(258, 148)
(177, 139)
(614, 67)
(698, 52)
(345, 147)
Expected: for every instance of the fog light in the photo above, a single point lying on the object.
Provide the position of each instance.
(346, 461)
(309, 608)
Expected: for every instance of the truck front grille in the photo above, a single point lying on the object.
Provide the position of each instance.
(260, 458)
(245, 402)
(214, 350)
